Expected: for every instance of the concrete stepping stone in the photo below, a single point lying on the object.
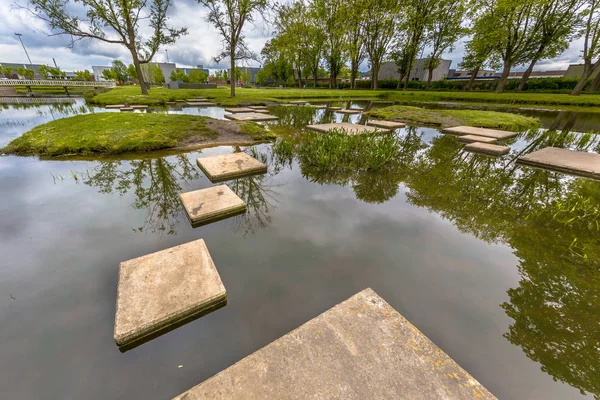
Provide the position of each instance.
(251, 116)
(212, 204)
(572, 162)
(334, 108)
(258, 107)
(487, 148)
(475, 138)
(200, 104)
(139, 107)
(110, 106)
(298, 102)
(171, 103)
(386, 124)
(127, 109)
(471, 130)
(165, 289)
(318, 106)
(359, 349)
(346, 127)
(349, 111)
(230, 166)
(240, 110)
(262, 111)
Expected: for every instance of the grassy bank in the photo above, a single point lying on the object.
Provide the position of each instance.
(115, 133)
(445, 118)
(157, 96)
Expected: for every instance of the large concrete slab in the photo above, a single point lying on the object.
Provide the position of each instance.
(348, 111)
(258, 107)
(200, 103)
(111, 106)
(298, 102)
(212, 204)
(334, 108)
(165, 288)
(127, 109)
(251, 116)
(139, 106)
(487, 148)
(346, 127)
(386, 124)
(471, 130)
(569, 161)
(239, 110)
(229, 166)
(475, 138)
(360, 349)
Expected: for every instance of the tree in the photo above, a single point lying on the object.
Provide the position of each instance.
(119, 70)
(445, 30)
(50, 72)
(229, 17)
(84, 75)
(480, 50)
(331, 16)
(132, 71)
(197, 76)
(158, 77)
(25, 73)
(379, 26)
(180, 76)
(591, 45)
(108, 74)
(355, 11)
(113, 21)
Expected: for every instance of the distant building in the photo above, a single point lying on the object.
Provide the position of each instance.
(489, 74)
(482, 73)
(576, 70)
(251, 71)
(537, 74)
(16, 66)
(97, 71)
(389, 70)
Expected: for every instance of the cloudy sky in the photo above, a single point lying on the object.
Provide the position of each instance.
(198, 47)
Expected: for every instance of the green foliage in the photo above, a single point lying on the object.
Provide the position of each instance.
(132, 72)
(180, 76)
(50, 72)
(256, 131)
(25, 73)
(84, 75)
(198, 76)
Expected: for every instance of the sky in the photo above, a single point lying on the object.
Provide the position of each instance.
(197, 48)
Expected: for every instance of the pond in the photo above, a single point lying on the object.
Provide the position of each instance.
(496, 263)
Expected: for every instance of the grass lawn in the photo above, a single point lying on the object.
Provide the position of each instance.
(115, 133)
(51, 90)
(483, 119)
(132, 95)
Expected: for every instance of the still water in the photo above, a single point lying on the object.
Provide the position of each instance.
(496, 263)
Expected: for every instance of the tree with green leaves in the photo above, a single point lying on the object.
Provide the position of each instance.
(118, 72)
(355, 12)
(84, 75)
(591, 46)
(379, 27)
(292, 23)
(229, 17)
(50, 72)
(132, 72)
(25, 73)
(179, 76)
(198, 76)
(446, 28)
(332, 19)
(480, 51)
(111, 21)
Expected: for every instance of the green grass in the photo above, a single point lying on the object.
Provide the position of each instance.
(132, 95)
(483, 119)
(257, 132)
(109, 133)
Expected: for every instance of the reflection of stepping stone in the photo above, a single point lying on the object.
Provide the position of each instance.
(386, 124)
(258, 107)
(475, 138)
(163, 289)
(251, 116)
(346, 127)
(487, 148)
(573, 162)
(240, 110)
(212, 204)
(318, 106)
(359, 349)
(114, 106)
(139, 107)
(471, 130)
(127, 109)
(229, 166)
(349, 111)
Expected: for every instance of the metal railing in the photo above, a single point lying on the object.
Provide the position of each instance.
(54, 82)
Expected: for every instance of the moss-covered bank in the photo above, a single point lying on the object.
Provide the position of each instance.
(115, 133)
(446, 118)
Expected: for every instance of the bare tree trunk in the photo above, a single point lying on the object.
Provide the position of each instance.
(596, 83)
(315, 74)
(503, 78)
(473, 77)
(588, 70)
(374, 76)
(526, 75)
(138, 70)
(353, 73)
(429, 78)
(407, 78)
(232, 58)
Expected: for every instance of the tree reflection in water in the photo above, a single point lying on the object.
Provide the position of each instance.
(156, 184)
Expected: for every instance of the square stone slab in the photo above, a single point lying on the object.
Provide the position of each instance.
(240, 110)
(251, 116)
(229, 166)
(346, 127)
(475, 138)
(298, 101)
(487, 148)
(258, 107)
(212, 204)
(471, 130)
(360, 349)
(349, 111)
(387, 124)
(139, 106)
(573, 162)
(171, 103)
(200, 104)
(114, 106)
(334, 108)
(164, 288)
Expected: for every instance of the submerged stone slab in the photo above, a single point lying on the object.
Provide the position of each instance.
(475, 138)
(386, 124)
(251, 116)
(229, 166)
(240, 110)
(359, 349)
(487, 148)
(114, 106)
(165, 288)
(573, 162)
(349, 111)
(471, 130)
(212, 204)
(346, 127)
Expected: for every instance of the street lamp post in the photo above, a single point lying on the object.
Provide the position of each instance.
(19, 35)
